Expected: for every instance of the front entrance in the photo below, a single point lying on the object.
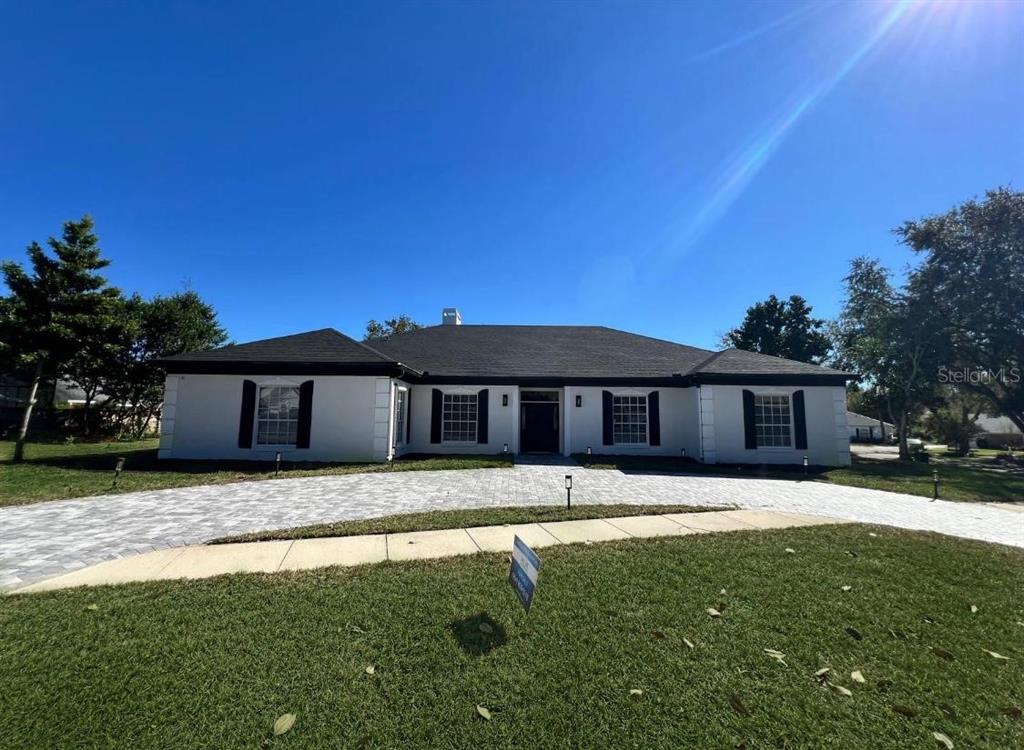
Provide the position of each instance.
(538, 422)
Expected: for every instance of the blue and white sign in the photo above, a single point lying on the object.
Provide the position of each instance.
(523, 573)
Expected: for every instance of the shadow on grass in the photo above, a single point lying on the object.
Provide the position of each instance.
(145, 460)
(668, 465)
(479, 634)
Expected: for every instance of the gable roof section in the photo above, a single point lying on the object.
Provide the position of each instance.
(325, 351)
(539, 355)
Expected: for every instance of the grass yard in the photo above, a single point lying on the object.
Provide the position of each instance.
(601, 661)
(960, 483)
(463, 518)
(57, 470)
(970, 483)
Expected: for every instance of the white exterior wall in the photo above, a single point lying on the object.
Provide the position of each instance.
(201, 418)
(677, 408)
(828, 441)
(353, 420)
(502, 421)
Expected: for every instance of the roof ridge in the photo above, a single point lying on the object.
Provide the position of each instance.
(655, 338)
(697, 367)
(265, 340)
(360, 344)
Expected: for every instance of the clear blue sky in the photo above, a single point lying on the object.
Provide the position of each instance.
(656, 167)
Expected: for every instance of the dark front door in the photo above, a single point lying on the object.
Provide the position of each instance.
(539, 428)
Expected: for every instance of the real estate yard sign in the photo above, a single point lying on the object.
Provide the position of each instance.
(523, 573)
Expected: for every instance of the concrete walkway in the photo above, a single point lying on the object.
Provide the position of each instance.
(308, 554)
(48, 539)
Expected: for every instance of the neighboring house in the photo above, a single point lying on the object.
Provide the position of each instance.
(453, 388)
(997, 432)
(14, 392)
(868, 429)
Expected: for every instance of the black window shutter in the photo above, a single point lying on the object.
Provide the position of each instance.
(247, 414)
(653, 419)
(408, 416)
(305, 414)
(436, 401)
(800, 421)
(481, 416)
(749, 428)
(606, 418)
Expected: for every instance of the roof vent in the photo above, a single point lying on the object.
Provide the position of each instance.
(450, 317)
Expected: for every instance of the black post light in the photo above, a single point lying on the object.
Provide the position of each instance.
(118, 468)
(277, 464)
(568, 491)
(935, 482)
(806, 464)
(589, 454)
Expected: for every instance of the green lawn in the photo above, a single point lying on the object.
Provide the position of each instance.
(463, 518)
(58, 470)
(961, 483)
(970, 483)
(212, 663)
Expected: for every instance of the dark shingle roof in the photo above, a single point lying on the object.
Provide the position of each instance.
(326, 345)
(853, 419)
(740, 361)
(539, 351)
(497, 352)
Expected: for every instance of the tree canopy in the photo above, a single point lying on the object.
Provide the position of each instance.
(889, 338)
(54, 308)
(402, 324)
(154, 329)
(61, 319)
(782, 328)
(972, 277)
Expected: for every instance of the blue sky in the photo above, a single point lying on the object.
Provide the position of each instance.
(656, 167)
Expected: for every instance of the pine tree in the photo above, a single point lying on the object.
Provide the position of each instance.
(60, 303)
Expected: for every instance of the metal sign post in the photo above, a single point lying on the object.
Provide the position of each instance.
(523, 572)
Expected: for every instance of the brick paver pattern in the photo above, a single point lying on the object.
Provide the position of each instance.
(47, 539)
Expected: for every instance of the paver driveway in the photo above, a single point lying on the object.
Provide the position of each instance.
(45, 539)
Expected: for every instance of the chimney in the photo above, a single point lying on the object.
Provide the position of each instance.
(450, 317)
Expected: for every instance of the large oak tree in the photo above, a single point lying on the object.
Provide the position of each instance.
(972, 278)
(890, 339)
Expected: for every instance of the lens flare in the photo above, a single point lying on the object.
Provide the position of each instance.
(738, 172)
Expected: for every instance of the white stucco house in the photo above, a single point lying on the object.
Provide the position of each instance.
(453, 388)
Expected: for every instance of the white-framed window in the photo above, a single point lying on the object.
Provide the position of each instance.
(458, 418)
(277, 415)
(401, 397)
(629, 420)
(773, 420)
